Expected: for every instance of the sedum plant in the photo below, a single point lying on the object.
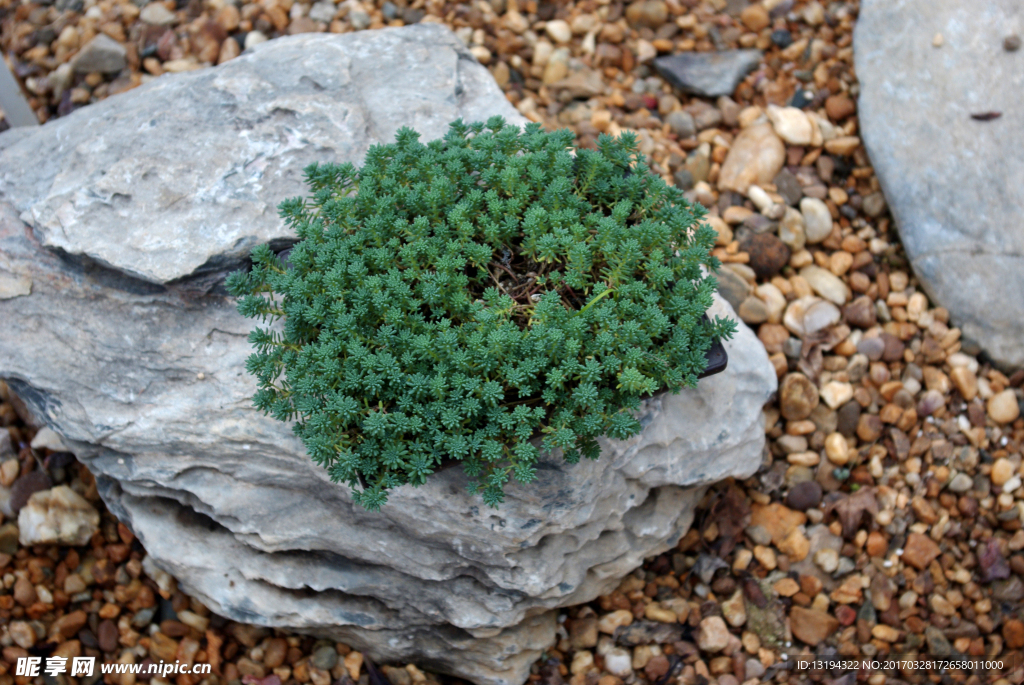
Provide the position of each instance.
(454, 300)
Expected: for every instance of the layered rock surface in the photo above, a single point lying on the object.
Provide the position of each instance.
(115, 239)
(954, 188)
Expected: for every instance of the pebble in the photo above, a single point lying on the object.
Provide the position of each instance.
(559, 30)
(894, 347)
(826, 284)
(811, 626)
(919, 551)
(59, 515)
(254, 38)
(713, 635)
(157, 14)
(791, 124)
(860, 312)
(827, 560)
(791, 229)
(767, 253)
(1002, 471)
(107, 635)
(47, 438)
(649, 13)
(734, 609)
(798, 397)
(847, 419)
(837, 449)
(817, 219)
(840, 106)
(836, 393)
(325, 658)
(795, 545)
(22, 634)
(26, 486)
(759, 535)
(874, 205)
(782, 38)
(766, 557)
(1003, 407)
(618, 662)
(1011, 43)
(819, 316)
(682, 124)
(804, 496)
(1013, 633)
(755, 17)
(609, 622)
(322, 11)
(101, 54)
(756, 156)
(24, 592)
(872, 348)
(752, 311)
(966, 382)
(961, 483)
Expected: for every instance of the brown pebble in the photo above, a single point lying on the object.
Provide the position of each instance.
(772, 336)
(649, 13)
(1013, 633)
(172, 628)
(106, 635)
(656, 667)
(893, 348)
(767, 253)
(69, 624)
(275, 652)
(798, 397)
(839, 107)
(803, 496)
(860, 313)
(919, 551)
(26, 486)
(24, 592)
(755, 17)
(1011, 43)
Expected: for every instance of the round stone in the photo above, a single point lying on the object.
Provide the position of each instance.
(713, 635)
(325, 658)
(1002, 471)
(559, 30)
(961, 483)
(837, 449)
(798, 396)
(782, 38)
(650, 13)
(682, 124)
(817, 219)
(1003, 407)
(767, 253)
(804, 496)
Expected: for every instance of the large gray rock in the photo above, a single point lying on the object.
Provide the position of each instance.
(120, 337)
(955, 185)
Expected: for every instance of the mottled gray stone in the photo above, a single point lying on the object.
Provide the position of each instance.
(955, 185)
(135, 356)
(102, 53)
(710, 74)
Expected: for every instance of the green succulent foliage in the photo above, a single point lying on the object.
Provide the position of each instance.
(456, 299)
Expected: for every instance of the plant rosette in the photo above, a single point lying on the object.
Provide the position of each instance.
(453, 300)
